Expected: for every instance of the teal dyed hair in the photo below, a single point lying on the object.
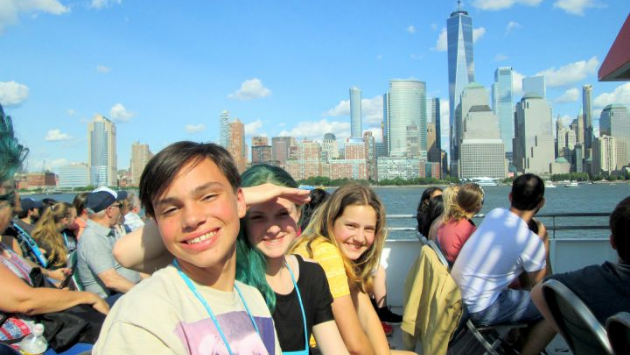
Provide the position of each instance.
(12, 153)
(250, 262)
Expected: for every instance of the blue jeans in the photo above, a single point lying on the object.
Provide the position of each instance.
(512, 306)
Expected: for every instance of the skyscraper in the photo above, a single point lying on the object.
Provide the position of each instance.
(587, 100)
(406, 114)
(236, 144)
(434, 116)
(615, 122)
(140, 156)
(224, 129)
(461, 66)
(503, 107)
(533, 141)
(356, 130)
(102, 159)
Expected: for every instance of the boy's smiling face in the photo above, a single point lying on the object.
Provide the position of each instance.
(198, 217)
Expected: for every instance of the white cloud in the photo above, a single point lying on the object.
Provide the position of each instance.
(565, 120)
(55, 135)
(478, 33)
(511, 26)
(570, 73)
(411, 29)
(441, 43)
(316, 129)
(119, 113)
(577, 7)
(12, 93)
(99, 4)
(102, 69)
(571, 95)
(342, 109)
(251, 129)
(494, 5)
(621, 95)
(517, 84)
(250, 89)
(191, 128)
(70, 112)
(11, 9)
(500, 57)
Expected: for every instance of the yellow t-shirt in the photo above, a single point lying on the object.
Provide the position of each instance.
(329, 257)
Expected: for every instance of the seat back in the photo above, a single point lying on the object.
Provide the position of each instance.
(577, 324)
(439, 254)
(618, 327)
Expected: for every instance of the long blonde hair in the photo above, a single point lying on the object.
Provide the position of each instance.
(469, 199)
(359, 271)
(46, 232)
(449, 197)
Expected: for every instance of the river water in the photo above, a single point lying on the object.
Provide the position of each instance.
(585, 198)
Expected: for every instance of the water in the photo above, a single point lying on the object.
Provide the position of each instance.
(585, 198)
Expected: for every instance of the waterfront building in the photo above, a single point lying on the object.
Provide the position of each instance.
(434, 116)
(280, 149)
(140, 156)
(560, 166)
(354, 149)
(430, 170)
(304, 160)
(535, 84)
(73, 175)
(405, 168)
(406, 118)
(578, 158)
(102, 158)
(381, 149)
(503, 107)
(533, 142)
(433, 152)
(482, 149)
(41, 180)
(615, 122)
(561, 139)
(236, 144)
(474, 94)
(224, 129)
(356, 130)
(261, 154)
(330, 147)
(370, 154)
(605, 155)
(259, 140)
(354, 169)
(461, 68)
(587, 106)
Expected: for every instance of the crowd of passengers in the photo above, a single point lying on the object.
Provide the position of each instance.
(248, 263)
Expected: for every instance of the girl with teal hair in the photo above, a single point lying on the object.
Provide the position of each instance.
(296, 290)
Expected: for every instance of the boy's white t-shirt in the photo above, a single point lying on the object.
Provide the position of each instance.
(494, 255)
(161, 315)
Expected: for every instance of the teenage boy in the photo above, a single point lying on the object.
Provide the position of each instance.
(194, 306)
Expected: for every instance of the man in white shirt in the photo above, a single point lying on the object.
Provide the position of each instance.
(497, 253)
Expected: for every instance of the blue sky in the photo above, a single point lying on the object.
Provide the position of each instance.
(164, 70)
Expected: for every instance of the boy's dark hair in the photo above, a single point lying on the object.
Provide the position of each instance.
(528, 191)
(318, 196)
(619, 227)
(159, 173)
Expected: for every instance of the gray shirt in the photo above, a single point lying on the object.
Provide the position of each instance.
(95, 256)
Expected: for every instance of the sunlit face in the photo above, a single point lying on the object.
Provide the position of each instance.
(355, 230)
(272, 226)
(198, 216)
(68, 222)
(7, 202)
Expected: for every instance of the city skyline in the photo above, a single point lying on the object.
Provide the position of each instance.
(164, 73)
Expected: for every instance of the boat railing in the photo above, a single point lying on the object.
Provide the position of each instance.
(552, 221)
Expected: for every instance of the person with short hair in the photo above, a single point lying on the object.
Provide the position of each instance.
(30, 213)
(99, 272)
(194, 305)
(496, 254)
(611, 280)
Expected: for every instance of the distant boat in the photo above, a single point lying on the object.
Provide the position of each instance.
(549, 185)
(485, 181)
(572, 184)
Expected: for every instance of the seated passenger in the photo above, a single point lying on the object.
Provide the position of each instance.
(48, 234)
(99, 272)
(458, 226)
(448, 200)
(193, 306)
(496, 254)
(20, 302)
(421, 212)
(610, 280)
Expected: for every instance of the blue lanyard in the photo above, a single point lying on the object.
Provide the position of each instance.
(297, 290)
(31, 244)
(195, 291)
